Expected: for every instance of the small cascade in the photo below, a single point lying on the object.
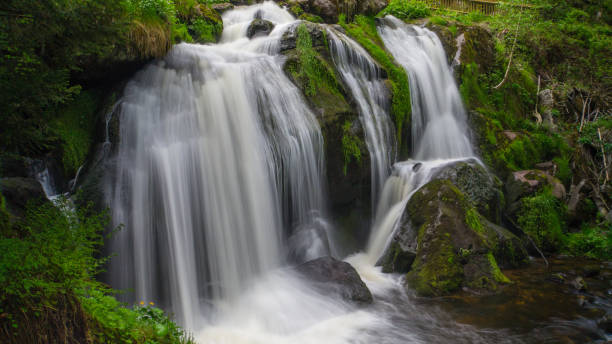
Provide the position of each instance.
(363, 77)
(439, 128)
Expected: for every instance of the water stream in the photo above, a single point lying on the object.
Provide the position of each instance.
(219, 182)
(364, 79)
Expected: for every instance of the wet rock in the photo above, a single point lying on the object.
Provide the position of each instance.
(309, 242)
(592, 270)
(557, 277)
(401, 252)
(317, 37)
(508, 250)
(222, 7)
(480, 187)
(578, 283)
(452, 246)
(259, 27)
(18, 192)
(605, 323)
(330, 275)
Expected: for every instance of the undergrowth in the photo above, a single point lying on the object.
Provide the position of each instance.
(48, 288)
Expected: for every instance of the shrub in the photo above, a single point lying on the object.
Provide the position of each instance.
(541, 217)
(47, 271)
(591, 241)
(406, 9)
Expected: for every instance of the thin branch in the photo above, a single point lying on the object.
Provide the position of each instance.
(518, 22)
(603, 154)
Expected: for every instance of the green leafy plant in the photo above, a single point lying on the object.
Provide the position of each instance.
(406, 9)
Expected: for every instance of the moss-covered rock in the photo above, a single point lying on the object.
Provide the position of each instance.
(453, 249)
(508, 249)
(478, 47)
(480, 187)
(259, 27)
(204, 24)
(526, 183)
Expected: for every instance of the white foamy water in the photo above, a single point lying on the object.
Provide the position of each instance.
(220, 170)
(364, 80)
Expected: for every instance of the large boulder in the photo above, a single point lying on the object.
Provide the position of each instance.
(331, 276)
(19, 192)
(453, 249)
(479, 186)
(259, 27)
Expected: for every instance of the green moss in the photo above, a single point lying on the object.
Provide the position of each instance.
(441, 274)
(207, 27)
(180, 33)
(497, 274)
(350, 146)
(439, 21)
(541, 216)
(313, 71)
(74, 126)
(363, 30)
(311, 17)
(473, 220)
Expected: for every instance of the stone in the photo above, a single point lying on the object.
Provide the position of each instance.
(371, 7)
(288, 40)
(605, 323)
(332, 276)
(510, 135)
(18, 192)
(479, 186)
(508, 249)
(526, 183)
(578, 283)
(222, 7)
(259, 27)
(453, 250)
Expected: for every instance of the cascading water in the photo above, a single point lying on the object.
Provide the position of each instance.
(439, 128)
(213, 140)
(363, 78)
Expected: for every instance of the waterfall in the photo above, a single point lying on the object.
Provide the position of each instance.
(363, 78)
(217, 152)
(439, 128)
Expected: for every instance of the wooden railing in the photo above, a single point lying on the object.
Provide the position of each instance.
(487, 7)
